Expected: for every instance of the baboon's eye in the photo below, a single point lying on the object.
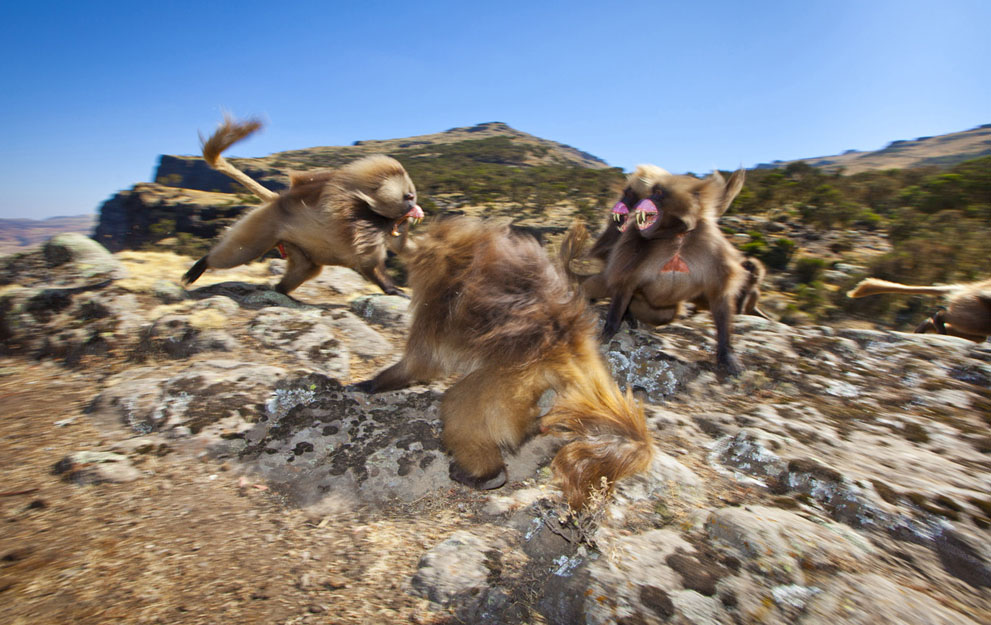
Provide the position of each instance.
(408, 196)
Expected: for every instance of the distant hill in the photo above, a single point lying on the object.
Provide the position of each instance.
(492, 143)
(939, 151)
(17, 234)
(489, 167)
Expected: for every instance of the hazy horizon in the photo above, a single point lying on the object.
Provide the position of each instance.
(97, 92)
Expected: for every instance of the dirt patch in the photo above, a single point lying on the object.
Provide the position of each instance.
(187, 543)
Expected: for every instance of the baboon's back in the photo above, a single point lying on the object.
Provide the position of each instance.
(493, 291)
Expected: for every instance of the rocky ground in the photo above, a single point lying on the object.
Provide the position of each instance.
(173, 456)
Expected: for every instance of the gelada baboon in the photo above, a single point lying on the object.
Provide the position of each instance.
(676, 253)
(637, 188)
(749, 293)
(489, 304)
(348, 216)
(968, 311)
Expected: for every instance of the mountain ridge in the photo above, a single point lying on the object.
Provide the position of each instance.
(934, 151)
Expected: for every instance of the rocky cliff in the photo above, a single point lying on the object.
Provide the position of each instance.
(193, 456)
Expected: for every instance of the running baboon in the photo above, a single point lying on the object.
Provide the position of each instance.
(968, 311)
(638, 187)
(347, 216)
(675, 254)
(489, 304)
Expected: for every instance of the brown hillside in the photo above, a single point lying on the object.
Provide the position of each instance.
(939, 151)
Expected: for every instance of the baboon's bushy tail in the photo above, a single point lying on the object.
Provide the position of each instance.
(874, 286)
(572, 247)
(227, 134)
(605, 430)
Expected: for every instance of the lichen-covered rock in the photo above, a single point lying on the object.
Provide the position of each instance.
(96, 467)
(211, 400)
(319, 438)
(361, 339)
(637, 570)
(867, 599)
(644, 362)
(305, 336)
(390, 311)
(783, 545)
(253, 296)
(458, 566)
(66, 261)
(180, 336)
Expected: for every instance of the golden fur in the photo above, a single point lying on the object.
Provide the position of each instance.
(340, 217)
(488, 304)
(968, 312)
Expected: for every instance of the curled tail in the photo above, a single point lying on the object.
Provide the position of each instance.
(605, 430)
(874, 286)
(227, 134)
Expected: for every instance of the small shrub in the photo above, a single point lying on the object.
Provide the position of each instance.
(808, 269)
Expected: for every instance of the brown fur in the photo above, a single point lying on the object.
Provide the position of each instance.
(636, 276)
(968, 312)
(487, 303)
(340, 217)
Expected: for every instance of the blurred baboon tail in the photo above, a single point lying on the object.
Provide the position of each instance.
(195, 271)
(227, 134)
(874, 286)
(571, 248)
(760, 313)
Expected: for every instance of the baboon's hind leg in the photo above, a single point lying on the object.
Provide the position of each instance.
(299, 269)
(486, 410)
(248, 239)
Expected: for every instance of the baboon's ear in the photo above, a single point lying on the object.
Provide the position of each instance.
(730, 191)
(710, 193)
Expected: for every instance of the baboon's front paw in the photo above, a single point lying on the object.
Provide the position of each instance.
(607, 333)
(487, 482)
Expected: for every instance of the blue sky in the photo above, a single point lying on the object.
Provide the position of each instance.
(93, 92)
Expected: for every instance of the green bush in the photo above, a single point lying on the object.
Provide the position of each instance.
(778, 255)
(808, 269)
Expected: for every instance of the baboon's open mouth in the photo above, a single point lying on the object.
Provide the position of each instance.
(620, 214)
(413, 216)
(646, 213)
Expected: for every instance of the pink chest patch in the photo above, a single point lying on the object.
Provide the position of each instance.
(676, 264)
